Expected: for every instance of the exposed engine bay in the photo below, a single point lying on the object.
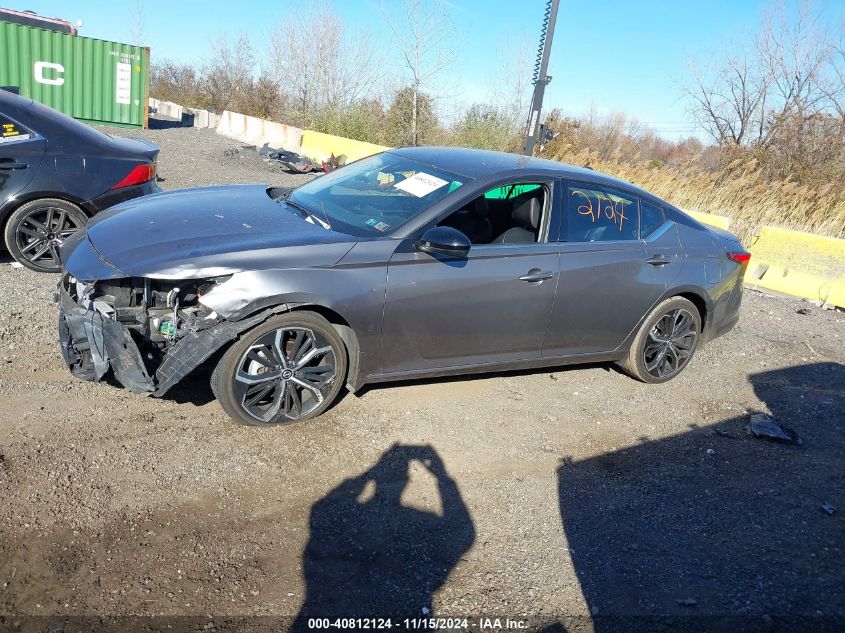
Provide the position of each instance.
(149, 332)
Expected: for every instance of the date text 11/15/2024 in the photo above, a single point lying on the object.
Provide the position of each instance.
(425, 624)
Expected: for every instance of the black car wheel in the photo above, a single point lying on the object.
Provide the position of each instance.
(289, 368)
(665, 343)
(35, 231)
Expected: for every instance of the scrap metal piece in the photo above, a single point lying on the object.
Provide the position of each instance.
(766, 427)
(291, 160)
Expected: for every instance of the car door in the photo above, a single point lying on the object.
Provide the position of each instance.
(491, 306)
(606, 281)
(21, 152)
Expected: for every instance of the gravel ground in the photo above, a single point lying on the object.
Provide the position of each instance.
(577, 496)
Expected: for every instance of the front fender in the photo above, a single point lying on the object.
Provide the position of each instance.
(356, 293)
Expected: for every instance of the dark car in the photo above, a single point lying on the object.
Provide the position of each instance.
(56, 172)
(410, 263)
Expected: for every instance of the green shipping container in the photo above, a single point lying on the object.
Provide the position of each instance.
(92, 80)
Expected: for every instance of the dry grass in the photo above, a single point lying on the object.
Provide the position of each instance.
(739, 191)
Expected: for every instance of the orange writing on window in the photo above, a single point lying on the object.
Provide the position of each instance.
(605, 207)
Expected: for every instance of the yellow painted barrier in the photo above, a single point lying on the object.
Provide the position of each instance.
(319, 146)
(798, 264)
(719, 221)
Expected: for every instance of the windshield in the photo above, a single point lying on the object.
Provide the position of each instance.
(375, 195)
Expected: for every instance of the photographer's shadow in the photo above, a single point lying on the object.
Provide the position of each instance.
(370, 556)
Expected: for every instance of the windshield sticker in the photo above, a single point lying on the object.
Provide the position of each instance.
(421, 184)
(378, 226)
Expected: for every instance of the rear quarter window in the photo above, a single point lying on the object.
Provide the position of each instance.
(652, 218)
(12, 131)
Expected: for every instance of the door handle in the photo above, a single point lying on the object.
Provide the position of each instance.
(658, 260)
(13, 165)
(536, 275)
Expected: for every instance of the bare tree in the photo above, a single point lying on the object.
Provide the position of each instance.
(137, 24)
(794, 54)
(424, 38)
(729, 99)
(321, 66)
(511, 84)
(835, 86)
(229, 74)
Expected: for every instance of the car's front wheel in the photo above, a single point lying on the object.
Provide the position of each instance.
(666, 342)
(36, 229)
(289, 368)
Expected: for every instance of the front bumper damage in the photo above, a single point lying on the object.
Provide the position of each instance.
(93, 341)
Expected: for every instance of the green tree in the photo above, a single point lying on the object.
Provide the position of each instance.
(363, 120)
(485, 127)
(411, 119)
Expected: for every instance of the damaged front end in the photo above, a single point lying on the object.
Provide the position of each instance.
(151, 333)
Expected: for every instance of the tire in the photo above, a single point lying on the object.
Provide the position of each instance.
(666, 342)
(36, 229)
(301, 386)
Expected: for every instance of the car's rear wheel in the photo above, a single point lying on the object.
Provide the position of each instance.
(666, 342)
(36, 229)
(289, 368)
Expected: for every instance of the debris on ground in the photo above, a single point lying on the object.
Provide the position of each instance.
(803, 311)
(298, 163)
(766, 427)
(829, 508)
(290, 160)
(722, 433)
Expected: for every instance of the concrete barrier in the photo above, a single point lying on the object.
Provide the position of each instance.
(319, 146)
(232, 124)
(255, 131)
(170, 109)
(281, 136)
(798, 264)
(201, 118)
(719, 221)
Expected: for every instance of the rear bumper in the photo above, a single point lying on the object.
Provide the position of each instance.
(116, 196)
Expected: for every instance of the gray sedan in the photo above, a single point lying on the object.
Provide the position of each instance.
(415, 262)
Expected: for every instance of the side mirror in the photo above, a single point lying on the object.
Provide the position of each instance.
(444, 240)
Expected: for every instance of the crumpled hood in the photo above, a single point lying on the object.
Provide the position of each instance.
(205, 232)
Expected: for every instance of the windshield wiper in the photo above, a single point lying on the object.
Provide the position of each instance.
(307, 214)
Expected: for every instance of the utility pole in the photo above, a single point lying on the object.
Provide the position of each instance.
(541, 79)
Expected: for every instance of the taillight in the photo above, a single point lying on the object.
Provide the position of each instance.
(138, 176)
(740, 257)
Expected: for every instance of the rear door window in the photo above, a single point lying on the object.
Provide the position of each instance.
(596, 214)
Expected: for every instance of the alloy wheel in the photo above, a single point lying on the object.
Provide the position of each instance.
(671, 343)
(287, 371)
(42, 231)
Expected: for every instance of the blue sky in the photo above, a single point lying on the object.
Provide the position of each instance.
(611, 55)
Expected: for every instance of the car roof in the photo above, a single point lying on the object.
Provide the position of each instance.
(484, 164)
(9, 99)
(48, 122)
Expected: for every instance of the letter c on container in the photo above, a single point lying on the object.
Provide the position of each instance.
(39, 73)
